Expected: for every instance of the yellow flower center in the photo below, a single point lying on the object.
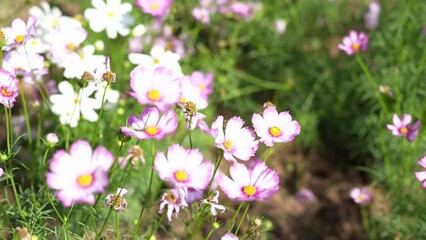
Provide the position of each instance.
(181, 176)
(154, 95)
(110, 14)
(403, 130)
(274, 131)
(156, 60)
(85, 180)
(227, 145)
(355, 46)
(19, 38)
(76, 101)
(70, 47)
(154, 7)
(201, 86)
(249, 190)
(183, 100)
(5, 93)
(153, 130)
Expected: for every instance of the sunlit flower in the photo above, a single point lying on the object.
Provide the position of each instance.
(403, 127)
(191, 93)
(151, 125)
(117, 200)
(79, 174)
(155, 86)
(9, 88)
(135, 156)
(355, 42)
(184, 168)
(274, 127)
(16, 62)
(258, 183)
(175, 200)
(421, 176)
(235, 140)
(371, 18)
(361, 195)
(213, 201)
(68, 104)
(113, 16)
(229, 236)
(19, 32)
(156, 8)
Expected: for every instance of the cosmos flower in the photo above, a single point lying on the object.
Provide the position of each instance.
(16, 62)
(191, 93)
(175, 200)
(156, 8)
(51, 139)
(421, 176)
(79, 174)
(403, 127)
(9, 88)
(112, 16)
(371, 18)
(213, 201)
(135, 156)
(274, 127)
(155, 86)
(229, 236)
(204, 81)
(235, 140)
(361, 196)
(202, 15)
(258, 183)
(353, 43)
(184, 168)
(151, 125)
(19, 32)
(117, 200)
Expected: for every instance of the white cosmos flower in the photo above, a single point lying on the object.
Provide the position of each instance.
(87, 61)
(69, 104)
(112, 16)
(158, 57)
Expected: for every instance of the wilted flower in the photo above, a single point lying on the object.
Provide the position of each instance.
(258, 183)
(213, 201)
(274, 127)
(361, 195)
(403, 127)
(421, 176)
(117, 200)
(175, 200)
(135, 155)
(9, 88)
(79, 174)
(234, 139)
(355, 42)
(51, 139)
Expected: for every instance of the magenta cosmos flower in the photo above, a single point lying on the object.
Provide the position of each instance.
(403, 127)
(9, 88)
(275, 127)
(355, 42)
(19, 32)
(184, 168)
(234, 139)
(155, 86)
(156, 8)
(258, 183)
(79, 174)
(421, 176)
(151, 125)
(361, 196)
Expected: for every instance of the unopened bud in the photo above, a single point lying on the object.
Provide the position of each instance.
(51, 139)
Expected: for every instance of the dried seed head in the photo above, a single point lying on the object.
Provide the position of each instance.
(109, 77)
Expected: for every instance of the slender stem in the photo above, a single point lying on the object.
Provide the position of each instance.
(8, 132)
(267, 154)
(231, 224)
(15, 192)
(117, 229)
(157, 224)
(148, 194)
(365, 221)
(242, 219)
(211, 232)
(190, 139)
(24, 105)
(53, 206)
(217, 164)
(100, 115)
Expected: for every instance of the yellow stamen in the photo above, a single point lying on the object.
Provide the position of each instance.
(403, 130)
(153, 130)
(70, 47)
(76, 100)
(154, 7)
(110, 14)
(5, 93)
(85, 180)
(227, 145)
(156, 60)
(181, 176)
(355, 46)
(249, 190)
(201, 86)
(154, 95)
(183, 100)
(19, 38)
(274, 131)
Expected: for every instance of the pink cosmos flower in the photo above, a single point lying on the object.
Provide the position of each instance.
(201, 14)
(235, 140)
(19, 32)
(155, 86)
(229, 236)
(371, 18)
(361, 195)
(150, 125)
(258, 183)
(204, 81)
(184, 168)
(191, 93)
(156, 8)
(16, 62)
(355, 42)
(79, 174)
(273, 127)
(175, 200)
(9, 88)
(421, 176)
(66, 47)
(403, 127)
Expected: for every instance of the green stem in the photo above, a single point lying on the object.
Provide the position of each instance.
(190, 139)
(15, 192)
(242, 219)
(24, 105)
(231, 224)
(217, 164)
(53, 206)
(211, 232)
(100, 115)
(267, 154)
(8, 132)
(148, 194)
(117, 229)
(157, 224)
(365, 221)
